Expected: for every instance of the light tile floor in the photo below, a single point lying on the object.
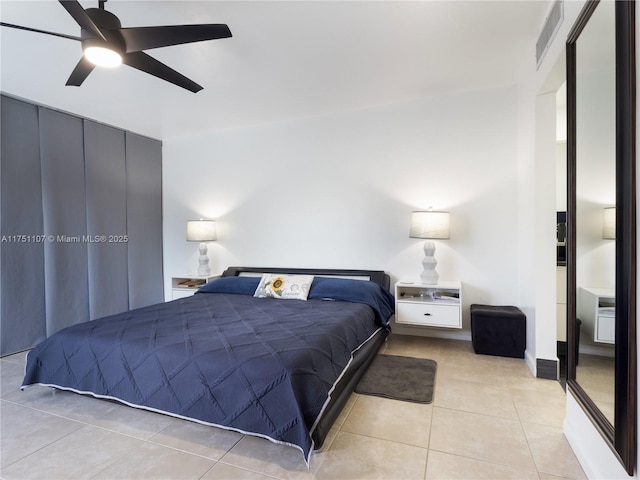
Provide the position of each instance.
(490, 419)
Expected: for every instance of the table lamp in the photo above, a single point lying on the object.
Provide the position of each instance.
(429, 225)
(202, 231)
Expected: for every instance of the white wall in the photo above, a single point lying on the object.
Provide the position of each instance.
(545, 229)
(596, 180)
(536, 226)
(337, 191)
(561, 175)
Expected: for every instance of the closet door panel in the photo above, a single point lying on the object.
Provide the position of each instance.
(106, 185)
(65, 219)
(144, 220)
(81, 221)
(22, 300)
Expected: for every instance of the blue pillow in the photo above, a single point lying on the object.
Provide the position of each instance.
(357, 291)
(238, 285)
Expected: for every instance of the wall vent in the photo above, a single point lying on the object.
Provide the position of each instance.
(551, 26)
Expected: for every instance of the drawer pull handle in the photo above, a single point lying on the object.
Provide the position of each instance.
(427, 314)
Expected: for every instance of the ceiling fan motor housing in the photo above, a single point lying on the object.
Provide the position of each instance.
(108, 24)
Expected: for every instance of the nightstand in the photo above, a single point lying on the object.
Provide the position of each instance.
(186, 285)
(423, 305)
(597, 310)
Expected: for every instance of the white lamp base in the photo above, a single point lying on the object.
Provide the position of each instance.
(203, 260)
(429, 276)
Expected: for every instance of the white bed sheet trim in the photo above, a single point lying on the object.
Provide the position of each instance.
(224, 427)
(175, 415)
(333, 387)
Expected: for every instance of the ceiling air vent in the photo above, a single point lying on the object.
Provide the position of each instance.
(551, 25)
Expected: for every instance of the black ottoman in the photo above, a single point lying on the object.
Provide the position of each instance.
(498, 330)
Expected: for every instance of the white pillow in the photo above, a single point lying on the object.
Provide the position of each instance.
(273, 285)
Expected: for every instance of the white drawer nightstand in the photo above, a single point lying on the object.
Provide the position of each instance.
(429, 305)
(186, 285)
(597, 310)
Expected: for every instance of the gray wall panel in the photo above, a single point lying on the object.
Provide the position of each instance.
(22, 318)
(64, 182)
(106, 185)
(65, 219)
(144, 220)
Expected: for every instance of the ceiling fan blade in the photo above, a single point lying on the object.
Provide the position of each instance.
(80, 16)
(145, 63)
(29, 29)
(144, 38)
(81, 72)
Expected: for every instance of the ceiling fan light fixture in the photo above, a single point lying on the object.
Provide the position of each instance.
(106, 44)
(103, 56)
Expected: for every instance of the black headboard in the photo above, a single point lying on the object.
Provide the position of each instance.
(377, 276)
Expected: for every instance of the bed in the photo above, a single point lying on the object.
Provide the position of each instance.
(279, 368)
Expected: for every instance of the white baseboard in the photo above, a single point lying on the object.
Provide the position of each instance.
(530, 361)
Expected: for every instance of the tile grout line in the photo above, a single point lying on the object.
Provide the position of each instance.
(433, 407)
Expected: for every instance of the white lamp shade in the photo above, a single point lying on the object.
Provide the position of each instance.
(429, 224)
(201, 231)
(609, 223)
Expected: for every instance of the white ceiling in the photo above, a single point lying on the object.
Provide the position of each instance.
(286, 59)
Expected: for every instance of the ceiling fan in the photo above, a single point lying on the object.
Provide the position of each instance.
(106, 43)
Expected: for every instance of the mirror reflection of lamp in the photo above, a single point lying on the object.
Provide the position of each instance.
(202, 231)
(429, 225)
(609, 223)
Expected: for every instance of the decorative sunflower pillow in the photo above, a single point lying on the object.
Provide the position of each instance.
(284, 287)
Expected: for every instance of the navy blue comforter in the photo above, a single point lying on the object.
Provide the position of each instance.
(259, 366)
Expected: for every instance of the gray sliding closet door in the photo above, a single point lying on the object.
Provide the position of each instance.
(106, 183)
(65, 219)
(144, 220)
(21, 258)
(81, 221)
